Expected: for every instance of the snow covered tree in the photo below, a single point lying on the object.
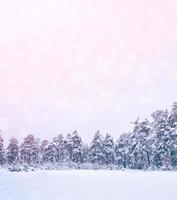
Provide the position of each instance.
(2, 151)
(172, 119)
(67, 148)
(162, 158)
(76, 148)
(96, 149)
(48, 155)
(13, 151)
(122, 151)
(108, 150)
(44, 143)
(85, 153)
(58, 143)
(29, 150)
(141, 145)
(150, 145)
(37, 143)
(174, 150)
(42, 146)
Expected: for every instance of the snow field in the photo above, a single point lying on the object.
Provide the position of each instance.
(88, 185)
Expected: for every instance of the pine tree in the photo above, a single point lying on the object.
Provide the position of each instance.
(44, 143)
(48, 155)
(13, 151)
(67, 148)
(29, 150)
(42, 146)
(2, 151)
(58, 143)
(85, 153)
(172, 119)
(173, 147)
(76, 148)
(108, 150)
(122, 151)
(96, 149)
(162, 139)
(141, 145)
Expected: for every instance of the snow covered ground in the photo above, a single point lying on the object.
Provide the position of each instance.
(88, 185)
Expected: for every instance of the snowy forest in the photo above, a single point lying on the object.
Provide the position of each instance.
(151, 145)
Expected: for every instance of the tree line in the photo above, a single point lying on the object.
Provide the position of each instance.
(151, 145)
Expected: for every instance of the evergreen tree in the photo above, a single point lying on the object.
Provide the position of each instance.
(141, 149)
(85, 153)
(58, 143)
(43, 144)
(76, 148)
(13, 151)
(173, 147)
(67, 148)
(29, 150)
(2, 151)
(172, 119)
(108, 150)
(96, 149)
(48, 155)
(162, 157)
(122, 151)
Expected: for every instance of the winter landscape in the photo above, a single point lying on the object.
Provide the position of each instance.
(140, 164)
(151, 145)
(88, 100)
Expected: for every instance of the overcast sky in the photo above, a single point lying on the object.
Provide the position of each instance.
(85, 64)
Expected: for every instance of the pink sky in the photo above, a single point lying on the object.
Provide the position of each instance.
(85, 65)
